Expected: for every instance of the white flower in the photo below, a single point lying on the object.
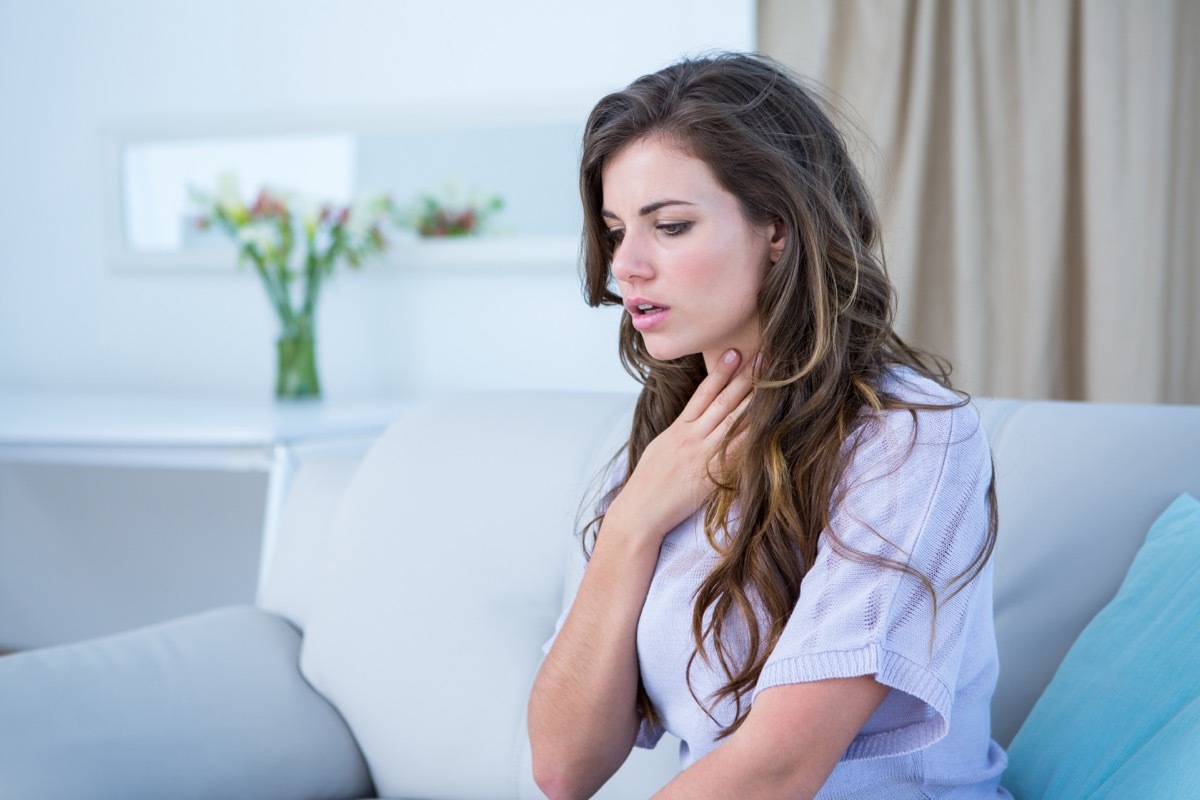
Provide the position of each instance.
(365, 213)
(308, 211)
(262, 236)
(229, 198)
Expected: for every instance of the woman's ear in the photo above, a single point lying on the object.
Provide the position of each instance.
(778, 239)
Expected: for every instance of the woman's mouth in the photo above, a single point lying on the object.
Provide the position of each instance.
(646, 316)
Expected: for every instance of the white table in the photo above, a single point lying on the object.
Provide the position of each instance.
(187, 432)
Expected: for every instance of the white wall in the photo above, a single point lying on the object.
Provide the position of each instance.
(71, 70)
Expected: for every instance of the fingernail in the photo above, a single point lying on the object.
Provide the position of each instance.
(730, 356)
(758, 361)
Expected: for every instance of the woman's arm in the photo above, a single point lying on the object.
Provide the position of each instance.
(789, 744)
(583, 716)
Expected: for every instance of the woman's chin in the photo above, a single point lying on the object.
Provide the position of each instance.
(665, 351)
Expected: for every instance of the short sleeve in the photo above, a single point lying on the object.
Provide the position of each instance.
(648, 734)
(915, 494)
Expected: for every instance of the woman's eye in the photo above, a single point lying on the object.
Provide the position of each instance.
(614, 235)
(673, 228)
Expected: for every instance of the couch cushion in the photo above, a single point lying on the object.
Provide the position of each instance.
(207, 706)
(445, 580)
(1122, 716)
(1078, 485)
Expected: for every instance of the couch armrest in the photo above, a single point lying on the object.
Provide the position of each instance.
(211, 705)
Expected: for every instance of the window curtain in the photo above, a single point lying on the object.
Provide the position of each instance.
(1037, 169)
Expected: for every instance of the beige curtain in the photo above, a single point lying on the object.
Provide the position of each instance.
(1037, 167)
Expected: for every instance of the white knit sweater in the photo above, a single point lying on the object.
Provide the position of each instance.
(914, 493)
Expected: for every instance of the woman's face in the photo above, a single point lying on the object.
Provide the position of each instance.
(687, 263)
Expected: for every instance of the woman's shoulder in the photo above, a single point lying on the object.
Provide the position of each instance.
(608, 480)
(910, 386)
(922, 417)
(919, 469)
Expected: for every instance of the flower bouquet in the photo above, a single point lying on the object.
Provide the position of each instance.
(451, 214)
(266, 233)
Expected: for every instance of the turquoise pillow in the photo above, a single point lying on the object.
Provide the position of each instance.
(1121, 719)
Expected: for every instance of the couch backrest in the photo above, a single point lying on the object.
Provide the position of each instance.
(445, 578)
(1078, 485)
(299, 559)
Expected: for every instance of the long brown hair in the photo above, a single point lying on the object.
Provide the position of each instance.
(826, 317)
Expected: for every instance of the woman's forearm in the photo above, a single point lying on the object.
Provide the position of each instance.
(583, 716)
(791, 741)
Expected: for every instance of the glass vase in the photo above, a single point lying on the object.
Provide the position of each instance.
(296, 377)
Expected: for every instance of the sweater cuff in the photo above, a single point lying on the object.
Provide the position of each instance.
(889, 668)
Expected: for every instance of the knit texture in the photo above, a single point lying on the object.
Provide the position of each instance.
(914, 493)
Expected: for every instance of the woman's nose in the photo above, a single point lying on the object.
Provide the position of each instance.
(631, 261)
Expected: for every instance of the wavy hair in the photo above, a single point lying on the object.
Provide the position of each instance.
(826, 312)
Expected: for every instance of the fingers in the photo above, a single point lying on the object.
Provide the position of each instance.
(711, 386)
(728, 402)
(727, 422)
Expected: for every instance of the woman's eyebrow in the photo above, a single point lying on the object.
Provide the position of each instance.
(649, 209)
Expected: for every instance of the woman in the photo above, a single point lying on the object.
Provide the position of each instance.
(790, 568)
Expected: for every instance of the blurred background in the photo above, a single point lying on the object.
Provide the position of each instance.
(73, 71)
(1034, 162)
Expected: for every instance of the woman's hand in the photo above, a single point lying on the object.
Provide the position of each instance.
(583, 715)
(671, 480)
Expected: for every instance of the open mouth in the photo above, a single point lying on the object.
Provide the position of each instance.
(646, 308)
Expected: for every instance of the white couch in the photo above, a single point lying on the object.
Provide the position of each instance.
(401, 622)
